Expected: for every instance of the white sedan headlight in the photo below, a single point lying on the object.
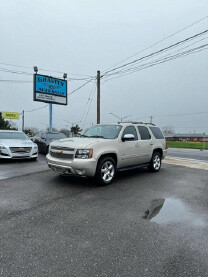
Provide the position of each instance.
(2, 147)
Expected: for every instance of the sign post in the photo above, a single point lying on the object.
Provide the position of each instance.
(50, 118)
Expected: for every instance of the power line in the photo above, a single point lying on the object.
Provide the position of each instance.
(16, 81)
(156, 62)
(159, 51)
(156, 43)
(31, 67)
(89, 106)
(130, 68)
(14, 71)
(88, 100)
(37, 109)
(79, 87)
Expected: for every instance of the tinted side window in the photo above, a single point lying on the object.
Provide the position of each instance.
(38, 136)
(144, 133)
(43, 136)
(157, 132)
(130, 130)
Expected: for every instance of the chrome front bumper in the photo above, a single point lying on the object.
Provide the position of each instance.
(76, 167)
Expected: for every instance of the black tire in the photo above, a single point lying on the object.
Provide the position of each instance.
(155, 163)
(105, 164)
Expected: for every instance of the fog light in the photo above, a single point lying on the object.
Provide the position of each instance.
(80, 171)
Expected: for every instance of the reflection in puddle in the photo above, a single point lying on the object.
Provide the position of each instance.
(172, 210)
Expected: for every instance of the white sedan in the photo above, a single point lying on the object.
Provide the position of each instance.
(17, 145)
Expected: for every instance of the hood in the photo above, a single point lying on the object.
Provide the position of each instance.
(16, 143)
(77, 142)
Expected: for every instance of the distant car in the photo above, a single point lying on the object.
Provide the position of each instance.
(17, 145)
(44, 139)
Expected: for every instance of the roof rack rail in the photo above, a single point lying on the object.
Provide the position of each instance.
(136, 122)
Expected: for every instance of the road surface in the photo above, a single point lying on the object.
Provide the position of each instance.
(53, 226)
(188, 153)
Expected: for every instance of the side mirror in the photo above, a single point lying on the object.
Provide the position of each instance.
(128, 137)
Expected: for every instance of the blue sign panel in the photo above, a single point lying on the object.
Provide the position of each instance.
(50, 90)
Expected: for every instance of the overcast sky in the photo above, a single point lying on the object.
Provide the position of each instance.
(81, 37)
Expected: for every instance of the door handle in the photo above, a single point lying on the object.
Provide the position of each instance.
(137, 144)
(151, 143)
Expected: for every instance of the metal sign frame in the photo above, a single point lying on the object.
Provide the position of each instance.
(49, 92)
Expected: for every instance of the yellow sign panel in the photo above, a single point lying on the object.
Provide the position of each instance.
(10, 115)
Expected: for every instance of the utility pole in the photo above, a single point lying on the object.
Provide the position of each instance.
(23, 120)
(98, 97)
(151, 117)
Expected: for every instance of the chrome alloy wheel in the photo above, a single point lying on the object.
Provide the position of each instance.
(107, 171)
(156, 162)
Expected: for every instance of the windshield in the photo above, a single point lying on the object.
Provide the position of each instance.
(56, 136)
(13, 135)
(103, 131)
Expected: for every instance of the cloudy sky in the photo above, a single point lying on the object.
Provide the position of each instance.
(80, 37)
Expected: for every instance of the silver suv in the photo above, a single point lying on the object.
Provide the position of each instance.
(104, 149)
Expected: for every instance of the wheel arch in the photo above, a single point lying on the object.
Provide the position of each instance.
(158, 150)
(110, 154)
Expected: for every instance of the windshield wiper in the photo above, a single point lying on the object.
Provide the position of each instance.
(84, 136)
(96, 136)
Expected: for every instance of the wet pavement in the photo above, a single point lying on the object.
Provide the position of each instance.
(196, 154)
(173, 210)
(14, 168)
(55, 226)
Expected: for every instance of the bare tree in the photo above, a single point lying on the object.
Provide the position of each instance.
(168, 130)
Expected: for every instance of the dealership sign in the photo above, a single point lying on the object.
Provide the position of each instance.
(10, 115)
(50, 90)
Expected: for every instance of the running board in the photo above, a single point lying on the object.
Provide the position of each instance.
(132, 167)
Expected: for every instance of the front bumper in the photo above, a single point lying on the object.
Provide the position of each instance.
(76, 167)
(7, 154)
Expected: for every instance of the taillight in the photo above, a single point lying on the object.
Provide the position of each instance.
(166, 146)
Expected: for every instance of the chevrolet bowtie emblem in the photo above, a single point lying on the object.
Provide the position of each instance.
(59, 152)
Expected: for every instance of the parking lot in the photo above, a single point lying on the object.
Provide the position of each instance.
(59, 226)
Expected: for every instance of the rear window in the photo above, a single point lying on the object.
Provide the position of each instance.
(157, 132)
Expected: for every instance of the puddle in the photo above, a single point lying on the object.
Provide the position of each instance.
(173, 210)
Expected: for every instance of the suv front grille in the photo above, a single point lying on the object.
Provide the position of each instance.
(62, 155)
(62, 148)
(20, 150)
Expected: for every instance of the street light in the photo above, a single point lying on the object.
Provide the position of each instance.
(35, 69)
(120, 118)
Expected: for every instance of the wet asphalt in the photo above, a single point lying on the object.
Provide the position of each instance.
(14, 168)
(55, 226)
(197, 154)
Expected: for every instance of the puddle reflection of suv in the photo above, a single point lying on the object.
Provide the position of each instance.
(105, 149)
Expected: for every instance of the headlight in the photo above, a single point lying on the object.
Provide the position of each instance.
(35, 147)
(2, 147)
(83, 153)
